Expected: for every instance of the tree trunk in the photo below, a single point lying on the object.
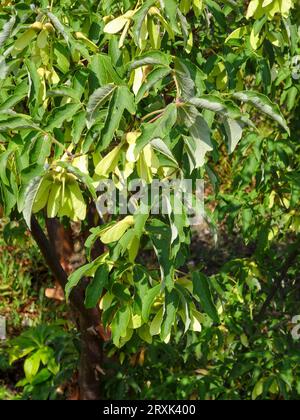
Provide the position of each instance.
(90, 362)
(58, 251)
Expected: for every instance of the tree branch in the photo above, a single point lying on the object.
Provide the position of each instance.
(52, 260)
(48, 252)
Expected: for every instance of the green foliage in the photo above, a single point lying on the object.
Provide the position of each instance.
(50, 358)
(240, 359)
(161, 90)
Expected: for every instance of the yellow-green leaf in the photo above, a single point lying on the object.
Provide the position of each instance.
(116, 232)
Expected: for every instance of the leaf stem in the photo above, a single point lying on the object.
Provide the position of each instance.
(159, 111)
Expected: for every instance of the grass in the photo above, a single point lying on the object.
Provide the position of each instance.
(23, 280)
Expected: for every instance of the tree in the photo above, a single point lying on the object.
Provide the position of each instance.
(124, 90)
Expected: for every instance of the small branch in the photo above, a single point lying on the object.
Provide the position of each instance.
(48, 252)
(177, 86)
(154, 119)
(159, 111)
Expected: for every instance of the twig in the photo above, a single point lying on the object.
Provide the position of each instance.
(159, 111)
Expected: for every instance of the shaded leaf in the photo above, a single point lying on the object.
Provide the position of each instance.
(30, 195)
(148, 301)
(150, 58)
(202, 291)
(121, 100)
(263, 103)
(199, 143)
(139, 18)
(60, 115)
(154, 77)
(95, 288)
(158, 129)
(234, 131)
(96, 100)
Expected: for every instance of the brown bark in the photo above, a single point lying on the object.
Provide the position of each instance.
(88, 320)
(91, 358)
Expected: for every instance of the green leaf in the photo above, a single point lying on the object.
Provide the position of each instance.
(292, 96)
(115, 233)
(150, 58)
(120, 324)
(139, 18)
(121, 100)
(27, 175)
(41, 377)
(154, 77)
(185, 312)
(79, 123)
(95, 233)
(15, 121)
(103, 71)
(30, 195)
(83, 177)
(155, 326)
(217, 13)
(35, 95)
(202, 291)
(32, 365)
(60, 115)
(62, 56)
(161, 237)
(24, 40)
(171, 11)
(59, 26)
(184, 80)
(148, 301)
(161, 147)
(95, 288)
(215, 104)
(75, 278)
(158, 129)
(172, 302)
(6, 30)
(184, 27)
(199, 143)
(4, 69)
(234, 131)
(263, 104)
(3, 166)
(41, 149)
(258, 389)
(64, 92)
(97, 100)
(116, 25)
(144, 334)
(20, 93)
